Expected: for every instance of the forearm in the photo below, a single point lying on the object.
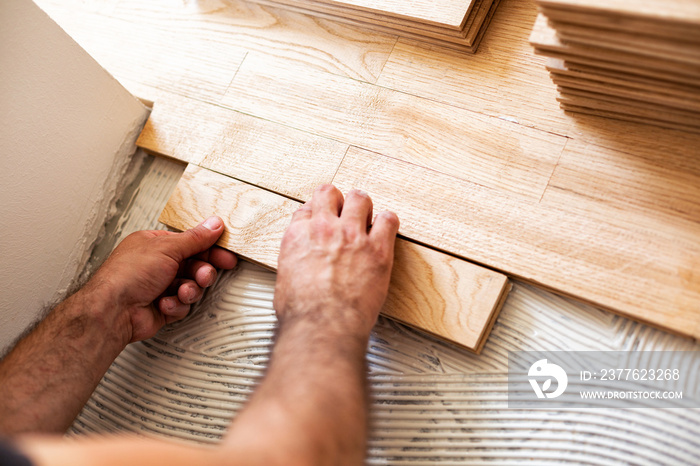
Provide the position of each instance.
(312, 404)
(47, 378)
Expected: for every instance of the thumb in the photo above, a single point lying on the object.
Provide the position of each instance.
(197, 239)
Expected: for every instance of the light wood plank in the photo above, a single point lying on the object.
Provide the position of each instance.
(442, 295)
(270, 155)
(621, 22)
(490, 151)
(546, 42)
(209, 41)
(629, 116)
(450, 13)
(672, 11)
(639, 264)
(628, 42)
(466, 41)
(524, 92)
(642, 111)
(559, 68)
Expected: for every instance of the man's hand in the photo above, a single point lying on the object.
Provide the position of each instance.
(150, 279)
(154, 276)
(332, 266)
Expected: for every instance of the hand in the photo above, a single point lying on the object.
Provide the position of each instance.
(332, 267)
(154, 276)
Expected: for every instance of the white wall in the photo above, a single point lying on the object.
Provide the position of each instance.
(67, 129)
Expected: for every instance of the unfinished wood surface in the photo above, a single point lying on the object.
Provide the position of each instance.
(559, 68)
(466, 40)
(638, 263)
(621, 22)
(628, 42)
(209, 42)
(671, 11)
(449, 13)
(544, 40)
(445, 296)
(687, 121)
(270, 155)
(630, 116)
(430, 134)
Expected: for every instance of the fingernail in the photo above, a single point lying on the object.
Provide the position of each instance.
(212, 223)
(361, 192)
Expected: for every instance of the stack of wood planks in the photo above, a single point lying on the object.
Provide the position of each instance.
(634, 60)
(458, 24)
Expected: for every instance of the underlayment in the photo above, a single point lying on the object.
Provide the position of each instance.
(431, 402)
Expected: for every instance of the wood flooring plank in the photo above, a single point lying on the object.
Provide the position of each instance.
(496, 153)
(270, 155)
(659, 97)
(559, 68)
(628, 42)
(134, 41)
(545, 41)
(643, 111)
(432, 291)
(621, 22)
(681, 11)
(450, 13)
(160, 57)
(609, 115)
(624, 259)
(523, 93)
(476, 25)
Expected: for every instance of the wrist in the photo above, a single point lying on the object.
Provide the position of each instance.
(332, 324)
(99, 304)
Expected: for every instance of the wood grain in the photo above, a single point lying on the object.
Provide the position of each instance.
(449, 13)
(432, 291)
(465, 40)
(270, 155)
(670, 11)
(581, 246)
(196, 51)
(430, 134)
(544, 40)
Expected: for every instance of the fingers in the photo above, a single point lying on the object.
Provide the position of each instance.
(203, 273)
(326, 201)
(193, 241)
(222, 258)
(357, 210)
(172, 308)
(302, 213)
(385, 227)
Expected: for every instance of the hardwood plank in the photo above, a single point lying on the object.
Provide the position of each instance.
(174, 61)
(559, 68)
(524, 92)
(445, 296)
(545, 41)
(468, 41)
(628, 117)
(376, 18)
(627, 260)
(270, 155)
(213, 32)
(450, 13)
(680, 11)
(642, 111)
(426, 133)
(373, 19)
(658, 97)
(628, 42)
(621, 22)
